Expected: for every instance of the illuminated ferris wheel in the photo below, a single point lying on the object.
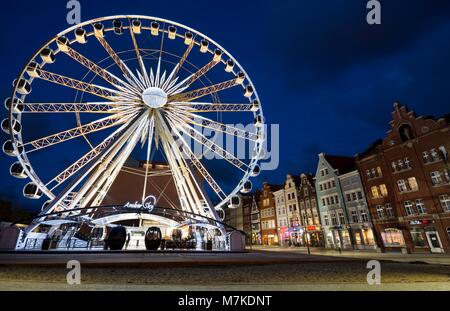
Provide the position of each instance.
(97, 92)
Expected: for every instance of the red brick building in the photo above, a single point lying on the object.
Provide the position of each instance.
(267, 214)
(406, 179)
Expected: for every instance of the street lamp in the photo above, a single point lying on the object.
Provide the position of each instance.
(307, 241)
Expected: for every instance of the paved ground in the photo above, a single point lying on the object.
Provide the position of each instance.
(441, 259)
(261, 270)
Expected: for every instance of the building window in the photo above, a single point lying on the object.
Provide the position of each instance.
(323, 202)
(401, 165)
(333, 182)
(325, 220)
(425, 157)
(380, 211)
(374, 190)
(389, 210)
(420, 205)
(434, 155)
(445, 202)
(354, 196)
(394, 166)
(349, 197)
(364, 216)
(401, 185)
(392, 238)
(418, 237)
(355, 216)
(333, 219)
(406, 163)
(409, 185)
(409, 208)
(332, 200)
(436, 178)
(336, 199)
(412, 182)
(383, 190)
(360, 196)
(341, 217)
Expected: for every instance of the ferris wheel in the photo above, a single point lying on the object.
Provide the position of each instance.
(102, 89)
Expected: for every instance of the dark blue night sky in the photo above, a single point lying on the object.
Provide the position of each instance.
(326, 76)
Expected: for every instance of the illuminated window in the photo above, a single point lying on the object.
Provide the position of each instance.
(374, 190)
(413, 186)
(383, 190)
(392, 237)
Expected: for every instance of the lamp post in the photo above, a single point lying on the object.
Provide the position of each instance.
(307, 241)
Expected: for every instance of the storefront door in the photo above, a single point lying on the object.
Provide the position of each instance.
(434, 241)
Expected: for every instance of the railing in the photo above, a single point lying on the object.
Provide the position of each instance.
(93, 244)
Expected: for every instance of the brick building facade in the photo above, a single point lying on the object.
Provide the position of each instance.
(267, 214)
(406, 179)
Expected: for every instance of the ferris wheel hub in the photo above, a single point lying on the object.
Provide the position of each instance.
(154, 97)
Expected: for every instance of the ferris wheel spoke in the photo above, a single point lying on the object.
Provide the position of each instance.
(64, 136)
(208, 90)
(199, 166)
(178, 66)
(212, 107)
(217, 126)
(103, 160)
(89, 107)
(202, 170)
(101, 72)
(84, 160)
(102, 186)
(209, 144)
(194, 77)
(131, 78)
(139, 58)
(83, 86)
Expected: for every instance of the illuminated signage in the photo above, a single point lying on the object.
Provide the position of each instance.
(147, 204)
(419, 222)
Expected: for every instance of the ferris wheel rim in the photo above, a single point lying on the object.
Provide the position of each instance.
(15, 138)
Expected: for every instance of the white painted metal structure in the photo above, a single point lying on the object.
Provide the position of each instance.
(145, 104)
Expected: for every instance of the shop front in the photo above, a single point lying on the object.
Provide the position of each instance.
(393, 239)
(295, 236)
(283, 236)
(364, 237)
(314, 236)
(270, 238)
(341, 237)
(425, 236)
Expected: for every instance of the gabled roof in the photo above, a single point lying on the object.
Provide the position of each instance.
(340, 163)
(371, 149)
